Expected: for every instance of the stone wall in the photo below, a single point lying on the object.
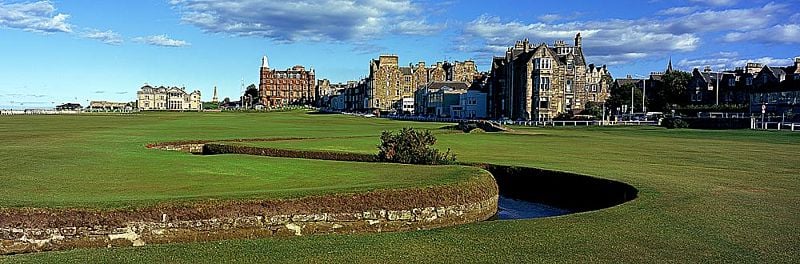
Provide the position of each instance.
(15, 240)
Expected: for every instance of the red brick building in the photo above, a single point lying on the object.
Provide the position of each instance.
(294, 86)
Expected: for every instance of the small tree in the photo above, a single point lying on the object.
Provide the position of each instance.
(593, 109)
(412, 147)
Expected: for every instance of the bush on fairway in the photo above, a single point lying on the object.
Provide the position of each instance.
(671, 123)
(412, 147)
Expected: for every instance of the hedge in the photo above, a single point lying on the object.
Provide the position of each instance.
(214, 149)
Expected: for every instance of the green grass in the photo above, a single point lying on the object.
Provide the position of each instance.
(705, 196)
(102, 162)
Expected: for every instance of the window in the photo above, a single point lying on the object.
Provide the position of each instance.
(731, 82)
(544, 103)
(749, 81)
(594, 87)
(545, 82)
(568, 87)
(541, 63)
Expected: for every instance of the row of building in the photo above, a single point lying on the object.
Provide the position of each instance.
(753, 86)
(529, 82)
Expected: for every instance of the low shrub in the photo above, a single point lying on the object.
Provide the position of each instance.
(412, 147)
(672, 123)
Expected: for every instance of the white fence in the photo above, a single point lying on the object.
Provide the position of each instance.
(37, 112)
(551, 123)
(788, 126)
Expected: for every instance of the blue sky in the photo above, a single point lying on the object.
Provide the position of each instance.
(79, 50)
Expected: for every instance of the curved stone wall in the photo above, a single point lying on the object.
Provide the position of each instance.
(30, 230)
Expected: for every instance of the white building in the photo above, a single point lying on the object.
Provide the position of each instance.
(472, 105)
(167, 98)
(407, 105)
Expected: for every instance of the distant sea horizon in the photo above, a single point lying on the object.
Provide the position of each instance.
(23, 107)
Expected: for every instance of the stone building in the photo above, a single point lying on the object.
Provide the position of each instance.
(389, 84)
(167, 98)
(293, 86)
(327, 91)
(777, 89)
(537, 82)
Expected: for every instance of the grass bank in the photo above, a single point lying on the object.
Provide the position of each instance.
(704, 196)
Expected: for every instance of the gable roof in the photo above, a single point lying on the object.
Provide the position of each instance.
(453, 85)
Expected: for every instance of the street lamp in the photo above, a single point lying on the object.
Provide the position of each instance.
(644, 92)
(717, 88)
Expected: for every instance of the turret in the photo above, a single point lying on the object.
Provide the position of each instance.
(797, 65)
(265, 62)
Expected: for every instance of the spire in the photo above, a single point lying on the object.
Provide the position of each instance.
(264, 62)
(215, 99)
(669, 66)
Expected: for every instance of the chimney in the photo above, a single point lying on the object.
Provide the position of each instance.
(578, 40)
(707, 69)
(629, 76)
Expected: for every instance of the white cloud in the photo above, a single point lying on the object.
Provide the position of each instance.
(549, 18)
(291, 21)
(729, 61)
(162, 40)
(417, 27)
(788, 34)
(616, 41)
(715, 2)
(681, 10)
(38, 16)
(108, 37)
(744, 19)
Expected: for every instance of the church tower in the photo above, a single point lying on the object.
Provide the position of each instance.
(215, 99)
(669, 66)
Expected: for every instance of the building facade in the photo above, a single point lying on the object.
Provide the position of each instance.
(472, 106)
(390, 85)
(293, 86)
(436, 98)
(541, 82)
(777, 89)
(167, 98)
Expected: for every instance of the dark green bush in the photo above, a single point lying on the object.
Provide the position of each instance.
(412, 147)
(671, 123)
